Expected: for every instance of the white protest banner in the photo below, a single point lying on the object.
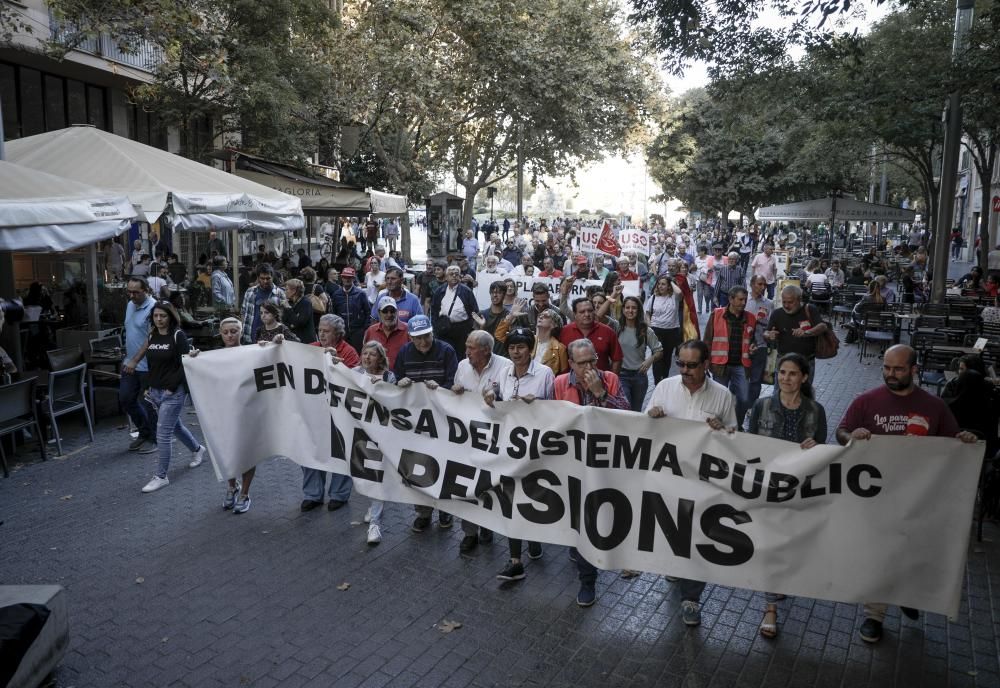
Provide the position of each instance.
(634, 241)
(886, 520)
(589, 236)
(524, 285)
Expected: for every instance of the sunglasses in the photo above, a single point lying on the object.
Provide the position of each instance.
(690, 366)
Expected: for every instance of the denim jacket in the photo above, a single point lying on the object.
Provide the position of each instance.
(766, 419)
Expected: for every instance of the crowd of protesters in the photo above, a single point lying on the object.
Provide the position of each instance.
(600, 349)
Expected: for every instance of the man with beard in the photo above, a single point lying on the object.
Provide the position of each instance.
(795, 326)
(898, 408)
(692, 396)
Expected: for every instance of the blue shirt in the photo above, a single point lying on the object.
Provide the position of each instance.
(137, 329)
(407, 306)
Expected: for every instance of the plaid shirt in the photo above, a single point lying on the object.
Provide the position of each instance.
(587, 398)
(249, 304)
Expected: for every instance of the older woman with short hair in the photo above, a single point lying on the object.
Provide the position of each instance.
(297, 312)
(331, 338)
(375, 367)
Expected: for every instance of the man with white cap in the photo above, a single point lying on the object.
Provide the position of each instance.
(389, 331)
(433, 362)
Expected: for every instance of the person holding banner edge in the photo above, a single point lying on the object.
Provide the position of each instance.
(791, 414)
(585, 384)
(898, 408)
(692, 396)
(433, 362)
(479, 371)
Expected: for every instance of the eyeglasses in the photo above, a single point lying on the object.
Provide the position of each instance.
(690, 366)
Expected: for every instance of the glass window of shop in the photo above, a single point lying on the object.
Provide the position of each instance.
(35, 102)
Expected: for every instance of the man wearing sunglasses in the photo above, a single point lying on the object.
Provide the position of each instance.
(692, 396)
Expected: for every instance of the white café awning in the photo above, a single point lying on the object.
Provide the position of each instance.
(822, 210)
(196, 197)
(43, 212)
(387, 203)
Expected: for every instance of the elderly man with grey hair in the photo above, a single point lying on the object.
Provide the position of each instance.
(481, 370)
(331, 333)
(585, 385)
(728, 276)
(795, 326)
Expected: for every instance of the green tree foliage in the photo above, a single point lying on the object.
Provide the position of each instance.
(254, 67)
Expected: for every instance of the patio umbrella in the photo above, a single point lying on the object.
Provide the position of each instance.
(43, 212)
(195, 197)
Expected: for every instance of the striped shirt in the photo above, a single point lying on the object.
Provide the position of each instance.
(729, 277)
(438, 364)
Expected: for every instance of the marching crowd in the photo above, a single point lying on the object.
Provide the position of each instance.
(599, 349)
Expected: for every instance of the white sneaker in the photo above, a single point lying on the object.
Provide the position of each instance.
(374, 534)
(155, 484)
(368, 515)
(198, 457)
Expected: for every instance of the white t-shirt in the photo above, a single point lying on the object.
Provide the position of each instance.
(663, 310)
(711, 401)
(452, 306)
(467, 377)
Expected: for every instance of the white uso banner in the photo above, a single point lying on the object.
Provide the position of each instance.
(634, 241)
(524, 285)
(885, 520)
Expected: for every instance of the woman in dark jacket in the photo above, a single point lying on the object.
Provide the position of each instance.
(297, 313)
(791, 414)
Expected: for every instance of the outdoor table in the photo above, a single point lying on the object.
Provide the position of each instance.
(958, 350)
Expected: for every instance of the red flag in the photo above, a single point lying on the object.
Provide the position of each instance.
(608, 243)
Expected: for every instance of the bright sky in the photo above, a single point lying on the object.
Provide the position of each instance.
(621, 185)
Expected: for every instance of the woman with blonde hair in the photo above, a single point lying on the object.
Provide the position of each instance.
(238, 493)
(375, 367)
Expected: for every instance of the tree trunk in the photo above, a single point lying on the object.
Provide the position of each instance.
(986, 207)
(468, 209)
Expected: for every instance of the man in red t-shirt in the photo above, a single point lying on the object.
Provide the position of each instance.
(388, 331)
(898, 408)
(604, 339)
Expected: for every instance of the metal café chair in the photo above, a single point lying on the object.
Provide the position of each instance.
(66, 395)
(17, 412)
(933, 364)
(877, 328)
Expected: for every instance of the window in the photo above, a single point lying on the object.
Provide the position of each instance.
(8, 96)
(95, 107)
(32, 116)
(55, 103)
(76, 99)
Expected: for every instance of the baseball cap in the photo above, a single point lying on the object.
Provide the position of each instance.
(387, 302)
(581, 260)
(418, 325)
(348, 272)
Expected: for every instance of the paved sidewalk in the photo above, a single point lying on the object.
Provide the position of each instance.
(168, 589)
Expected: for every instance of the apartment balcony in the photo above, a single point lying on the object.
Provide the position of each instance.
(141, 55)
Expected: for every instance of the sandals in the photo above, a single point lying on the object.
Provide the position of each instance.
(769, 629)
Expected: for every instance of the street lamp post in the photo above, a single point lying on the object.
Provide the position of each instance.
(949, 157)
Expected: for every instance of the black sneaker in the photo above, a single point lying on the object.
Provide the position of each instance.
(469, 543)
(871, 631)
(910, 613)
(512, 572)
(534, 550)
(444, 520)
(136, 444)
(310, 504)
(420, 524)
(485, 536)
(149, 447)
(335, 504)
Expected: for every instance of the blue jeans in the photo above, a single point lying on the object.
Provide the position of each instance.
(634, 385)
(770, 290)
(130, 391)
(169, 407)
(586, 571)
(734, 378)
(691, 590)
(314, 481)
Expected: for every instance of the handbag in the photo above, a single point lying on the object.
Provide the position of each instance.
(827, 343)
(442, 324)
